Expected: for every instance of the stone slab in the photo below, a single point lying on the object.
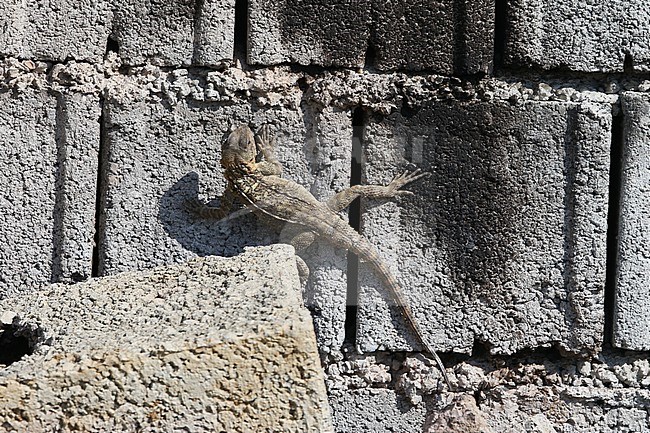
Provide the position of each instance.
(446, 36)
(49, 181)
(162, 152)
(58, 30)
(632, 299)
(211, 345)
(503, 246)
(579, 36)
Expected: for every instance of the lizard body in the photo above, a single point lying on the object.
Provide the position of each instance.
(258, 185)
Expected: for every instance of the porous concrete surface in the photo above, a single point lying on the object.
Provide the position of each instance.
(163, 143)
(171, 33)
(333, 33)
(49, 175)
(175, 32)
(215, 344)
(576, 35)
(507, 237)
(446, 37)
(58, 30)
(632, 298)
(540, 393)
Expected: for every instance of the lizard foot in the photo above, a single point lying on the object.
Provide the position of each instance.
(404, 179)
(264, 139)
(197, 207)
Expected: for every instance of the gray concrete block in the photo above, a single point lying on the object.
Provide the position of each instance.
(331, 33)
(57, 30)
(375, 410)
(447, 37)
(49, 179)
(211, 345)
(410, 35)
(569, 34)
(504, 244)
(175, 33)
(632, 299)
(171, 33)
(161, 153)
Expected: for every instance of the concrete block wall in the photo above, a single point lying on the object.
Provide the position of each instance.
(524, 255)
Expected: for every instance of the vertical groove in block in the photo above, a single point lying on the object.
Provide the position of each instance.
(509, 229)
(78, 147)
(632, 300)
(613, 221)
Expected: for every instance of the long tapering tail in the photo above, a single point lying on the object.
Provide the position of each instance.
(368, 252)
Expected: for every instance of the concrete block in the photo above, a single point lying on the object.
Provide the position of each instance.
(446, 36)
(571, 34)
(162, 152)
(331, 33)
(404, 35)
(49, 180)
(503, 246)
(631, 322)
(175, 33)
(211, 345)
(375, 410)
(56, 30)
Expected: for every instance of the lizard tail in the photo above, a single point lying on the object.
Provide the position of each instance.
(371, 256)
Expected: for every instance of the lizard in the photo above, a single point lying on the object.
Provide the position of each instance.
(253, 175)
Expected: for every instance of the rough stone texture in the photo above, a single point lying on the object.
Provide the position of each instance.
(333, 33)
(162, 151)
(56, 30)
(631, 321)
(445, 36)
(211, 345)
(178, 32)
(504, 244)
(536, 393)
(375, 410)
(170, 33)
(579, 36)
(49, 179)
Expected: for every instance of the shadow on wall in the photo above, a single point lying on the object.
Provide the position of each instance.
(204, 237)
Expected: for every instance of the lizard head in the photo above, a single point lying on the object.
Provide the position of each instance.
(239, 151)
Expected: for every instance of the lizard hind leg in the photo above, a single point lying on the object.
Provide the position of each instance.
(300, 242)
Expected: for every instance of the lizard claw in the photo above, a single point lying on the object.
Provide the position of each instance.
(404, 179)
(264, 139)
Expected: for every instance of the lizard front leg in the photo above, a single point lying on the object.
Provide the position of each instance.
(203, 210)
(265, 143)
(343, 199)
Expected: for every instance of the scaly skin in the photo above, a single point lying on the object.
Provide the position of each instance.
(258, 185)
